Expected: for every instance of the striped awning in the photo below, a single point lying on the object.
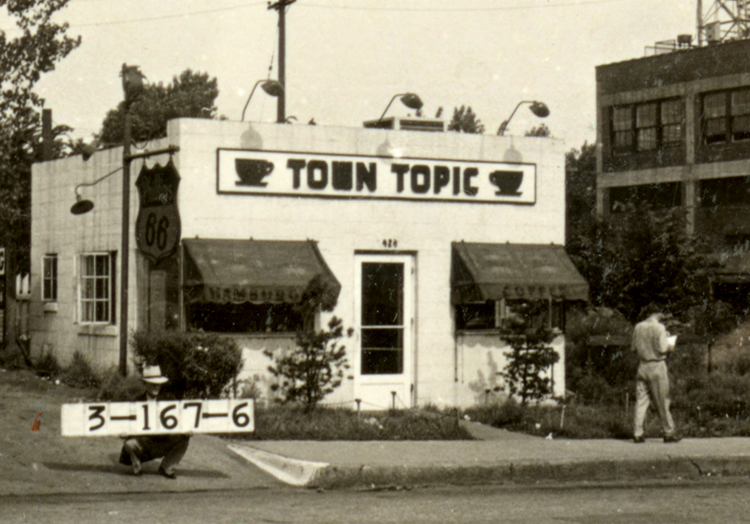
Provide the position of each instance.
(482, 272)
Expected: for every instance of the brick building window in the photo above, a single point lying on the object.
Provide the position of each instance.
(726, 116)
(740, 108)
(647, 127)
(622, 128)
(715, 118)
(672, 118)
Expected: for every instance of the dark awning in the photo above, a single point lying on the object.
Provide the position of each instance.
(258, 271)
(482, 272)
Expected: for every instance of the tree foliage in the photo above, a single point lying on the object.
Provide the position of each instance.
(640, 256)
(580, 191)
(531, 355)
(541, 131)
(191, 94)
(39, 45)
(465, 121)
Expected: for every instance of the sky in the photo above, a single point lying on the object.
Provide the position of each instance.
(345, 59)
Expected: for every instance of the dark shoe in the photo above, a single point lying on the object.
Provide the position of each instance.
(137, 468)
(669, 439)
(163, 473)
(639, 440)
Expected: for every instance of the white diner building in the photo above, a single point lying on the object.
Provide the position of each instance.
(420, 241)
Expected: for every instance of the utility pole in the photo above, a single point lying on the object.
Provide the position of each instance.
(280, 6)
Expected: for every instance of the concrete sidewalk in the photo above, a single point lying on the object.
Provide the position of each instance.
(514, 460)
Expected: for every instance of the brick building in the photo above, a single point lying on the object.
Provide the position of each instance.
(674, 130)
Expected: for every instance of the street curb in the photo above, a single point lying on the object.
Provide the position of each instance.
(321, 475)
(375, 477)
(294, 472)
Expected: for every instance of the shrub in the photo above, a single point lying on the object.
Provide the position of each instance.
(497, 415)
(116, 388)
(47, 365)
(79, 373)
(295, 422)
(198, 365)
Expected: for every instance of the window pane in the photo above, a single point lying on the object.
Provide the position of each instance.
(716, 130)
(646, 115)
(381, 362)
(382, 338)
(382, 294)
(88, 269)
(622, 118)
(102, 265)
(714, 105)
(623, 140)
(671, 135)
(87, 311)
(741, 102)
(475, 316)
(244, 318)
(647, 139)
(672, 112)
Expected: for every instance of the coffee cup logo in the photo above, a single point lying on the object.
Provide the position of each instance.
(252, 172)
(507, 182)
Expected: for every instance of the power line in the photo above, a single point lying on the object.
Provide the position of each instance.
(164, 17)
(353, 8)
(460, 9)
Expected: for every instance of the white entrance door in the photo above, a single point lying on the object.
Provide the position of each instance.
(384, 315)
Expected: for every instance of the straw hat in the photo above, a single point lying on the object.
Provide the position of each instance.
(152, 375)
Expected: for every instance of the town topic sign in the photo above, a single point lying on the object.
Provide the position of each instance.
(351, 176)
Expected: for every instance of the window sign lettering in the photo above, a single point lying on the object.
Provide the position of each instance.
(342, 176)
(157, 417)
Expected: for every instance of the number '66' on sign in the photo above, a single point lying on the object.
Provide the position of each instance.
(157, 228)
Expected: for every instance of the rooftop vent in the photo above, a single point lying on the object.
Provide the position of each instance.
(407, 124)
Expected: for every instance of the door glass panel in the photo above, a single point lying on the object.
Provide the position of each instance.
(382, 318)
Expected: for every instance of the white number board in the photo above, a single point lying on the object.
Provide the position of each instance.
(157, 417)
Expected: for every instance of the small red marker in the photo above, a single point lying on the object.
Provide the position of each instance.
(35, 425)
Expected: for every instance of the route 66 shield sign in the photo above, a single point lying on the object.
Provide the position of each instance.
(157, 228)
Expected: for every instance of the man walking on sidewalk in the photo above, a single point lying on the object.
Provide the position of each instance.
(140, 449)
(652, 343)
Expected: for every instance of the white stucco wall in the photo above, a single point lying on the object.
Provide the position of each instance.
(342, 227)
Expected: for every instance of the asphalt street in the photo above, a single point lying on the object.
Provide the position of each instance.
(687, 502)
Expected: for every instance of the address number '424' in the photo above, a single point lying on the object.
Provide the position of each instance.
(158, 417)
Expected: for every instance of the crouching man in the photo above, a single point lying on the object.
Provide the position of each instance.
(139, 449)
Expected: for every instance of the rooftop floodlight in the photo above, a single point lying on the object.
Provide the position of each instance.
(81, 206)
(410, 100)
(540, 109)
(271, 87)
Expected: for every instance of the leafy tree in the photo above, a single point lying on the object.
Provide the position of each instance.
(542, 131)
(191, 95)
(531, 355)
(580, 191)
(40, 45)
(314, 368)
(465, 121)
(640, 256)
